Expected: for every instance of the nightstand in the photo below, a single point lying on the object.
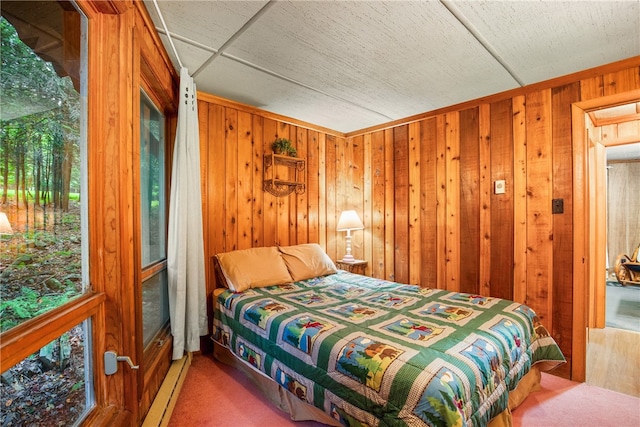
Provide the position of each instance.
(357, 266)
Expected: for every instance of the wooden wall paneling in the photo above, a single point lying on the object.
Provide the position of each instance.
(519, 199)
(292, 210)
(502, 204)
(322, 191)
(292, 199)
(629, 131)
(608, 132)
(342, 179)
(283, 204)
(452, 221)
(592, 88)
(355, 191)
(415, 253)
(401, 202)
(270, 202)
(621, 81)
(205, 188)
(485, 186)
(377, 227)
(207, 197)
(623, 221)
(245, 181)
(561, 100)
(312, 180)
(539, 221)
(367, 202)
(257, 197)
(231, 177)
(389, 205)
(428, 203)
(301, 210)
(441, 202)
(217, 167)
(470, 201)
(331, 197)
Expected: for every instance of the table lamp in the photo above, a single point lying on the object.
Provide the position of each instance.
(349, 220)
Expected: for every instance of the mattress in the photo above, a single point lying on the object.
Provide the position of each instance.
(371, 352)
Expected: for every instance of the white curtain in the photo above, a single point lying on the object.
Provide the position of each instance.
(185, 257)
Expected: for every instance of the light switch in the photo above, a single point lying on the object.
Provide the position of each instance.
(499, 186)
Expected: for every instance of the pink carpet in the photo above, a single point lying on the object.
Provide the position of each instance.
(214, 394)
(567, 403)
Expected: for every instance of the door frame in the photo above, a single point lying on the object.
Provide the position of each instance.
(590, 226)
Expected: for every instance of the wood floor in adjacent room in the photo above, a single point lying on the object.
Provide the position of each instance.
(613, 360)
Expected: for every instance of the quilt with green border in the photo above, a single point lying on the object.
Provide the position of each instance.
(370, 352)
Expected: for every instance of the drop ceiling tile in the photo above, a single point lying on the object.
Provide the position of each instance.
(396, 58)
(347, 65)
(231, 80)
(207, 22)
(545, 39)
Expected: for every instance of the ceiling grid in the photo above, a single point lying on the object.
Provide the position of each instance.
(348, 65)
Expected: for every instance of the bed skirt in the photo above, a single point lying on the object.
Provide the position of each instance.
(299, 410)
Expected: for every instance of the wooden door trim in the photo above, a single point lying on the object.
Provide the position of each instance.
(583, 233)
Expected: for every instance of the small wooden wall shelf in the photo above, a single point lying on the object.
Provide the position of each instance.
(295, 175)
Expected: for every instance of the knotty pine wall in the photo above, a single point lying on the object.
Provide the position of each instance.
(424, 189)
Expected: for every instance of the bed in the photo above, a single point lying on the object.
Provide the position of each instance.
(347, 349)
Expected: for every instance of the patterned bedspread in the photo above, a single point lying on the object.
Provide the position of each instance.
(373, 352)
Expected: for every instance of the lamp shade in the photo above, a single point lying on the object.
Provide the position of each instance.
(5, 227)
(349, 220)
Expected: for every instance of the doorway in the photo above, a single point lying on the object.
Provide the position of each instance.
(623, 236)
(611, 121)
(613, 349)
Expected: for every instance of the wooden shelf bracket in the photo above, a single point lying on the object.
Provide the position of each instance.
(292, 178)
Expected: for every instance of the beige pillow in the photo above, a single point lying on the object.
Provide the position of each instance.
(306, 261)
(253, 268)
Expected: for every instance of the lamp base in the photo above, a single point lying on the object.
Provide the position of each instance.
(348, 258)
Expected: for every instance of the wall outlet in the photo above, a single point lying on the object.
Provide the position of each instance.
(557, 206)
(499, 186)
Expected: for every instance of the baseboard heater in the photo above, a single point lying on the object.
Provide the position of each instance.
(160, 412)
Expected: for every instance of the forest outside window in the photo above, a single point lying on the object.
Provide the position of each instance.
(44, 261)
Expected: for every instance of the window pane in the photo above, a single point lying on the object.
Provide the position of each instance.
(155, 305)
(43, 206)
(50, 387)
(42, 133)
(152, 187)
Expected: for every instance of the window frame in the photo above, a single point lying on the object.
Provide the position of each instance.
(28, 337)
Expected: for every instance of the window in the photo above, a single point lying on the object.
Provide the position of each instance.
(153, 208)
(43, 205)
